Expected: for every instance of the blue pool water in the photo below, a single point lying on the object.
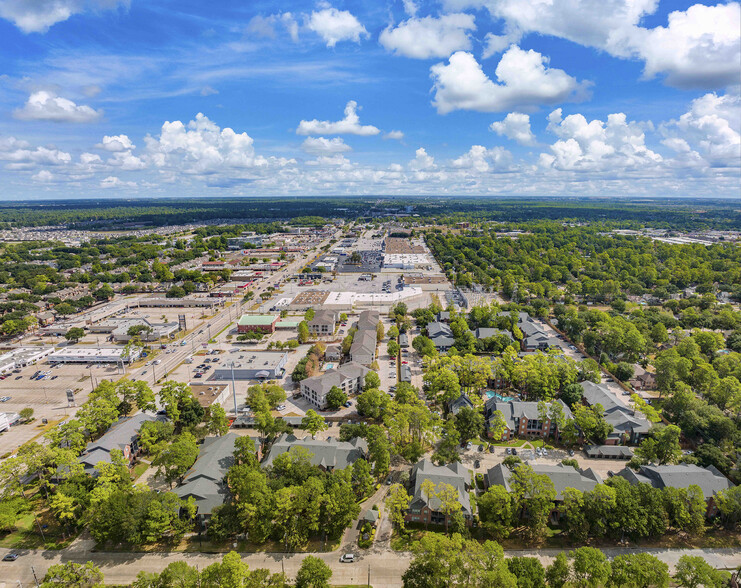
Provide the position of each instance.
(499, 397)
(328, 366)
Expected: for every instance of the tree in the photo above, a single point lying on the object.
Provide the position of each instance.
(591, 421)
(372, 403)
(495, 512)
(557, 574)
(573, 515)
(372, 380)
(26, 414)
(649, 411)
(693, 571)
(313, 573)
(534, 494)
(528, 571)
(662, 446)
(231, 572)
(335, 398)
(74, 334)
(397, 502)
(173, 462)
(624, 371)
(313, 423)
(638, 570)
(379, 332)
(217, 423)
(303, 332)
(393, 348)
(497, 425)
(470, 423)
(590, 568)
(73, 575)
(571, 394)
(154, 436)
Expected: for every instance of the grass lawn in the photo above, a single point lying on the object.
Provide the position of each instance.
(513, 443)
(27, 536)
(138, 470)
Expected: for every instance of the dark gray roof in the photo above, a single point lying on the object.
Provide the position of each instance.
(436, 329)
(462, 401)
(683, 475)
(487, 332)
(516, 409)
(323, 384)
(609, 451)
(561, 475)
(364, 342)
(370, 515)
(122, 433)
(404, 340)
(205, 480)
(454, 474)
(368, 320)
(622, 418)
(406, 373)
(327, 453)
(323, 316)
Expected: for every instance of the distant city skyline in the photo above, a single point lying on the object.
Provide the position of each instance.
(130, 99)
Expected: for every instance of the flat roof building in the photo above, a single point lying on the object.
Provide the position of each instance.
(94, 355)
(264, 323)
(258, 365)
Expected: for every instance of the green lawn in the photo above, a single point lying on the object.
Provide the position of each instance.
(138, 470)
(27, 535)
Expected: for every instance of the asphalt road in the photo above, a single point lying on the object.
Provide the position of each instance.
(385, 567)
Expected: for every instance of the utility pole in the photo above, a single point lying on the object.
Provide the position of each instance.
(35, 579)
(234, 390)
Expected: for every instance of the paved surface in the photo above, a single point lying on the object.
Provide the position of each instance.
(385, 567)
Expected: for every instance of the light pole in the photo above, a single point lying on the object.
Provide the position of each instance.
(234, 390)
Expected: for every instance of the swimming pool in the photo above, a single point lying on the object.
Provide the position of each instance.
(328, 366)
(499, 397)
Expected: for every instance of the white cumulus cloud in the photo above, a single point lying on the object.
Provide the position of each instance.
(324, 146)
(597, 145)
(350, 125)
(481, 159)
(422, 161)
(396, 135)
(334, 26)
(116, 143)
(515, 126)
(422, 38)
(524, 82)
(36, 16)
(43, 105)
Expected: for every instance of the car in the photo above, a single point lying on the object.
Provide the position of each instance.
(18, 377)
(538, 451)
(469, 445)
(347, 404)
(477, 464)
(347, 558)
(481, 447)
(491, 449)
(198, 376)
(280, 407)
(514, 451)
(389, 481)
(10, 557)
(3, 377)
(571, 452)
(54, 377)
(509, 451)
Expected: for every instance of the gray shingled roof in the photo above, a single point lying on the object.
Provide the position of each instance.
(462, 401)
(622, 418)
(454, 474)
(609, 451)
(328, 453)
(205, 479)
(364, 341)
(323, 384)
(487, 332)
(122, 433)
(710, 480)
(516, 409)
(561, 475)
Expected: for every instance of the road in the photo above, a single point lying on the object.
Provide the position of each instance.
(386, 567)
(199, 338)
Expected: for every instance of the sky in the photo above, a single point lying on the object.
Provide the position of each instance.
(161, 98)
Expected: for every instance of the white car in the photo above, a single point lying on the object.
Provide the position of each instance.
(347, 558)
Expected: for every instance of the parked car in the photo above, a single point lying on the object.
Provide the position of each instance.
(571, 452)
(389, 481)
(514, 451)
(10, 557)
(347, 404)
(477, 464)
(481, 447)
(347, 558)
(469, 445)
(509, 451)
(491, 449)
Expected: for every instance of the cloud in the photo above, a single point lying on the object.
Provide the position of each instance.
(44, 176)
(525, 82)
(713, 126)
(21, 156)
(114, 182)
(350, 125)
(481, 159)
(422, 161)
(422, 38)
(208, 91)
(324, 146)
(116, 143)
(698, 47)
(43, 105)
(334, 26)
(264, 26)
(410, 7)
(36, 16)
(596, 145)
(396, 135)
(515, 126)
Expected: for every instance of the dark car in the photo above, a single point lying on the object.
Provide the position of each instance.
(477, 464)
(481, 447)
(11, 557)
(514, 451)
(491, 449)
(347, 404)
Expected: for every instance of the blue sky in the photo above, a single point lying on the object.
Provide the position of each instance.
(498, 97)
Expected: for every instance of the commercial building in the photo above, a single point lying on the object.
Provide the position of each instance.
(76, 354)
(118, 328)
(262, 323)
(186, 302)
(259, 365)
(329, 454)
(349, 378)
(427, 509)
(22, 356)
